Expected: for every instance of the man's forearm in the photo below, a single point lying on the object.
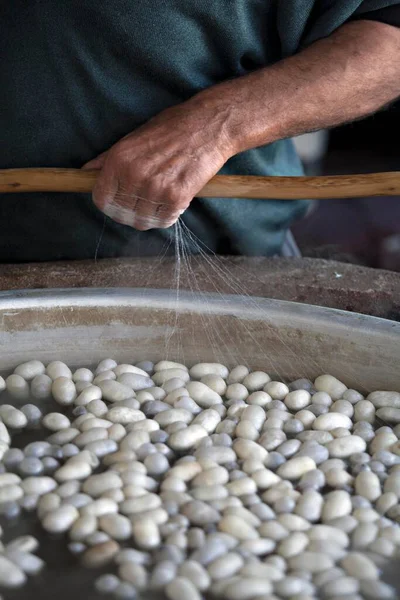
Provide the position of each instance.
(348, 75)
(150, 177)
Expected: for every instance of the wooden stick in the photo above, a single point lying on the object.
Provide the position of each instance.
(223, 186)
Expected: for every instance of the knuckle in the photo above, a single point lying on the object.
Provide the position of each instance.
(166, 192)
(162, 211)
(177, 199)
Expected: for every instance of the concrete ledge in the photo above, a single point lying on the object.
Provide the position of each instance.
(313, 281)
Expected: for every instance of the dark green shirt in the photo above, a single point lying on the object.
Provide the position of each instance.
(77, 75)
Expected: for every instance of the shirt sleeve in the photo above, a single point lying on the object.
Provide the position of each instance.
(318, 19)
(389, 15)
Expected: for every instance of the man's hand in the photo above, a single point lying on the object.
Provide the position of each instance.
(149, 178)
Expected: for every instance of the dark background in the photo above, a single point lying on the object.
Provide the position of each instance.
(364, 231)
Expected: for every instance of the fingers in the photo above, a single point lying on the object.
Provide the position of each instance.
(136, 206)
(153, 207)
(137, 216)
(138, 211)
(127, 195)
(161, 218)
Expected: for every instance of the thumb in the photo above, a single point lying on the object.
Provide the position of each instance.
(96, 163)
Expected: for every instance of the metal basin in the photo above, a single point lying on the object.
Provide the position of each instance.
(286, 339)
